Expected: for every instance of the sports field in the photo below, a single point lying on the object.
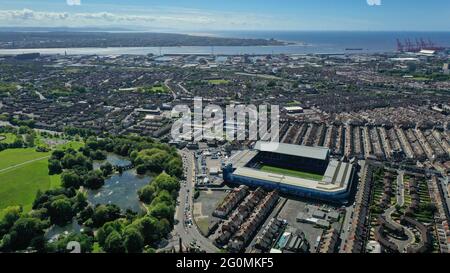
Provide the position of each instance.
(218, 82)
(299, 174)
(22, 173)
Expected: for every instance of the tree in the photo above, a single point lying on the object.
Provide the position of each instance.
(166, 182)
(162, 211)
(29, 139)
(98, 155)
(86, 243)
(92, 143)
(107, 229)
(141, 169)
(149, 228)
(71, 161)
(164, 226)
(54, 167)
(146, 194)
(71, 179)
(133, 240)
(165, 197)
(22, 233)
(114, 243)
(156, 162)
(61, 212)
(134, 155)
(10, 216)
(18, 143)
(57, 154)
(79, 201)
(175, 167)
(85, 215)
(94, 180)
(107, 169)
(272, 84)
(24, 130)
(105, 213)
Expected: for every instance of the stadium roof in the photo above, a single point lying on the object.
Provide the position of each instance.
(319, 153)
(337, 177)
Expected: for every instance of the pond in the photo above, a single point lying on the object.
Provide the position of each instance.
(120, 189)
(55, 231)
(115, 160)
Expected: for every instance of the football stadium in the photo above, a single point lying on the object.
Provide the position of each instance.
(292, 169)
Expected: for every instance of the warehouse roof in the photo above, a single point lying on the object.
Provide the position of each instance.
(319, 153)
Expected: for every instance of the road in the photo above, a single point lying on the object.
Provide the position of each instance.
(444, 184)
(166, 83)
(349, 211)
(184, 89)
(403, 245)
(41, 97)
(346, 226)
(185, 228)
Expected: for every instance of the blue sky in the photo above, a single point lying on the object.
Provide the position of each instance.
(206, 15)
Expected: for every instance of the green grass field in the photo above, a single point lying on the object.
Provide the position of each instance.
(13, 157)
(71, 144)
(304, 175)
(218, 82)
(22, 173)
(203, 225)
(154, 89)
(7, 138)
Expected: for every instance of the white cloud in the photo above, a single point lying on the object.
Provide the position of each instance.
(374, 2)
(74, 2)
(157, 18)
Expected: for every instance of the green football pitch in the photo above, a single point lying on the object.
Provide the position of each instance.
(286, 172)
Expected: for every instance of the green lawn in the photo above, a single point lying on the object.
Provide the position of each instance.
(155, 89)
(304, 175)
(7, 138)
(218, 82)
(13, 157)
(19, 184)
(421, 78)
(71, 144)
(203, 225)
(7, 87)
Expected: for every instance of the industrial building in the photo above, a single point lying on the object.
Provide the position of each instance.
(295, 170)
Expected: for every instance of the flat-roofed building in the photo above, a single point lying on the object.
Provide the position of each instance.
(295, 170)
(293, 109)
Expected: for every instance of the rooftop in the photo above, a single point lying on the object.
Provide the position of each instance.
(319, 153)
(337, 177)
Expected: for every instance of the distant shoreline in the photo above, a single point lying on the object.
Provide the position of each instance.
(188, 50)
(65, 39)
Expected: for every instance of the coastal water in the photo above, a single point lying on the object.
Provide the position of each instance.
(305, 42)
(338, 41)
